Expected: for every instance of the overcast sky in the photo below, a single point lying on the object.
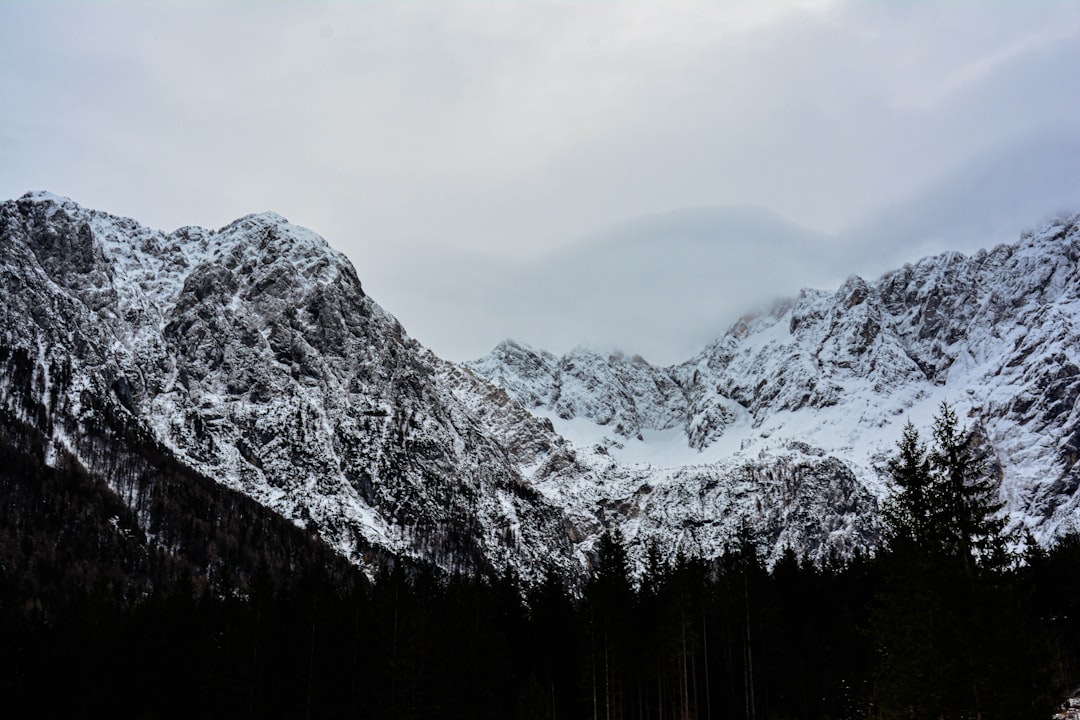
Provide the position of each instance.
(614, 173)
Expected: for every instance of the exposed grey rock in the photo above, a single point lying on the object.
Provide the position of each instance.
(254, 356)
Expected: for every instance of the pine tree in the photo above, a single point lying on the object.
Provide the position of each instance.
(610, 596)
(967, 521)
(946, 506)
(946, 622)
(909, 516)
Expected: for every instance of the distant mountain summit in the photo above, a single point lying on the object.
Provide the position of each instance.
(996, 334)
(251, 357)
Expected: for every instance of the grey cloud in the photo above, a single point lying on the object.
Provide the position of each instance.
(473, 158)
(661, 285)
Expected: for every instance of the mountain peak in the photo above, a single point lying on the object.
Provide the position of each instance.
(250, 355)
(266, 218)
(841, 371)
(46, 196)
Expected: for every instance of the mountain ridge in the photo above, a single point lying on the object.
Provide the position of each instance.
(252, 355)
(927, 332)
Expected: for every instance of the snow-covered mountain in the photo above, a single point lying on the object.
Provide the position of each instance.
(251, 355)
(825, 381)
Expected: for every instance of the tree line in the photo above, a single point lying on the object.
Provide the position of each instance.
(946, 620)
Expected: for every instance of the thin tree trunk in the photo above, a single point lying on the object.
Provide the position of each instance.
(255, 662)
(705, 643)
(659, 692)
(594, 713)
(685, 685)
(311, 653)
(693, 683)
(607, 681)
(393, 658)
(751, 710)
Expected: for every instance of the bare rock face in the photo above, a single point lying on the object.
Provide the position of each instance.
(253, 355)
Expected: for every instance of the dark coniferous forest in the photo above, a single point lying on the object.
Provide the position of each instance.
(223, 609)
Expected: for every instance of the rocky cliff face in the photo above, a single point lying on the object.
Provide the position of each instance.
(254, 357)
(833, 376)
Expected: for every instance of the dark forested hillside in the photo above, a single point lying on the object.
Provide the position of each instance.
(97, 617)
(221, 609)
(697, 640)
(64, 531)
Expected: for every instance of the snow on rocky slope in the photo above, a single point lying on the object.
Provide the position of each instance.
(253, 355)
(788, 419)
